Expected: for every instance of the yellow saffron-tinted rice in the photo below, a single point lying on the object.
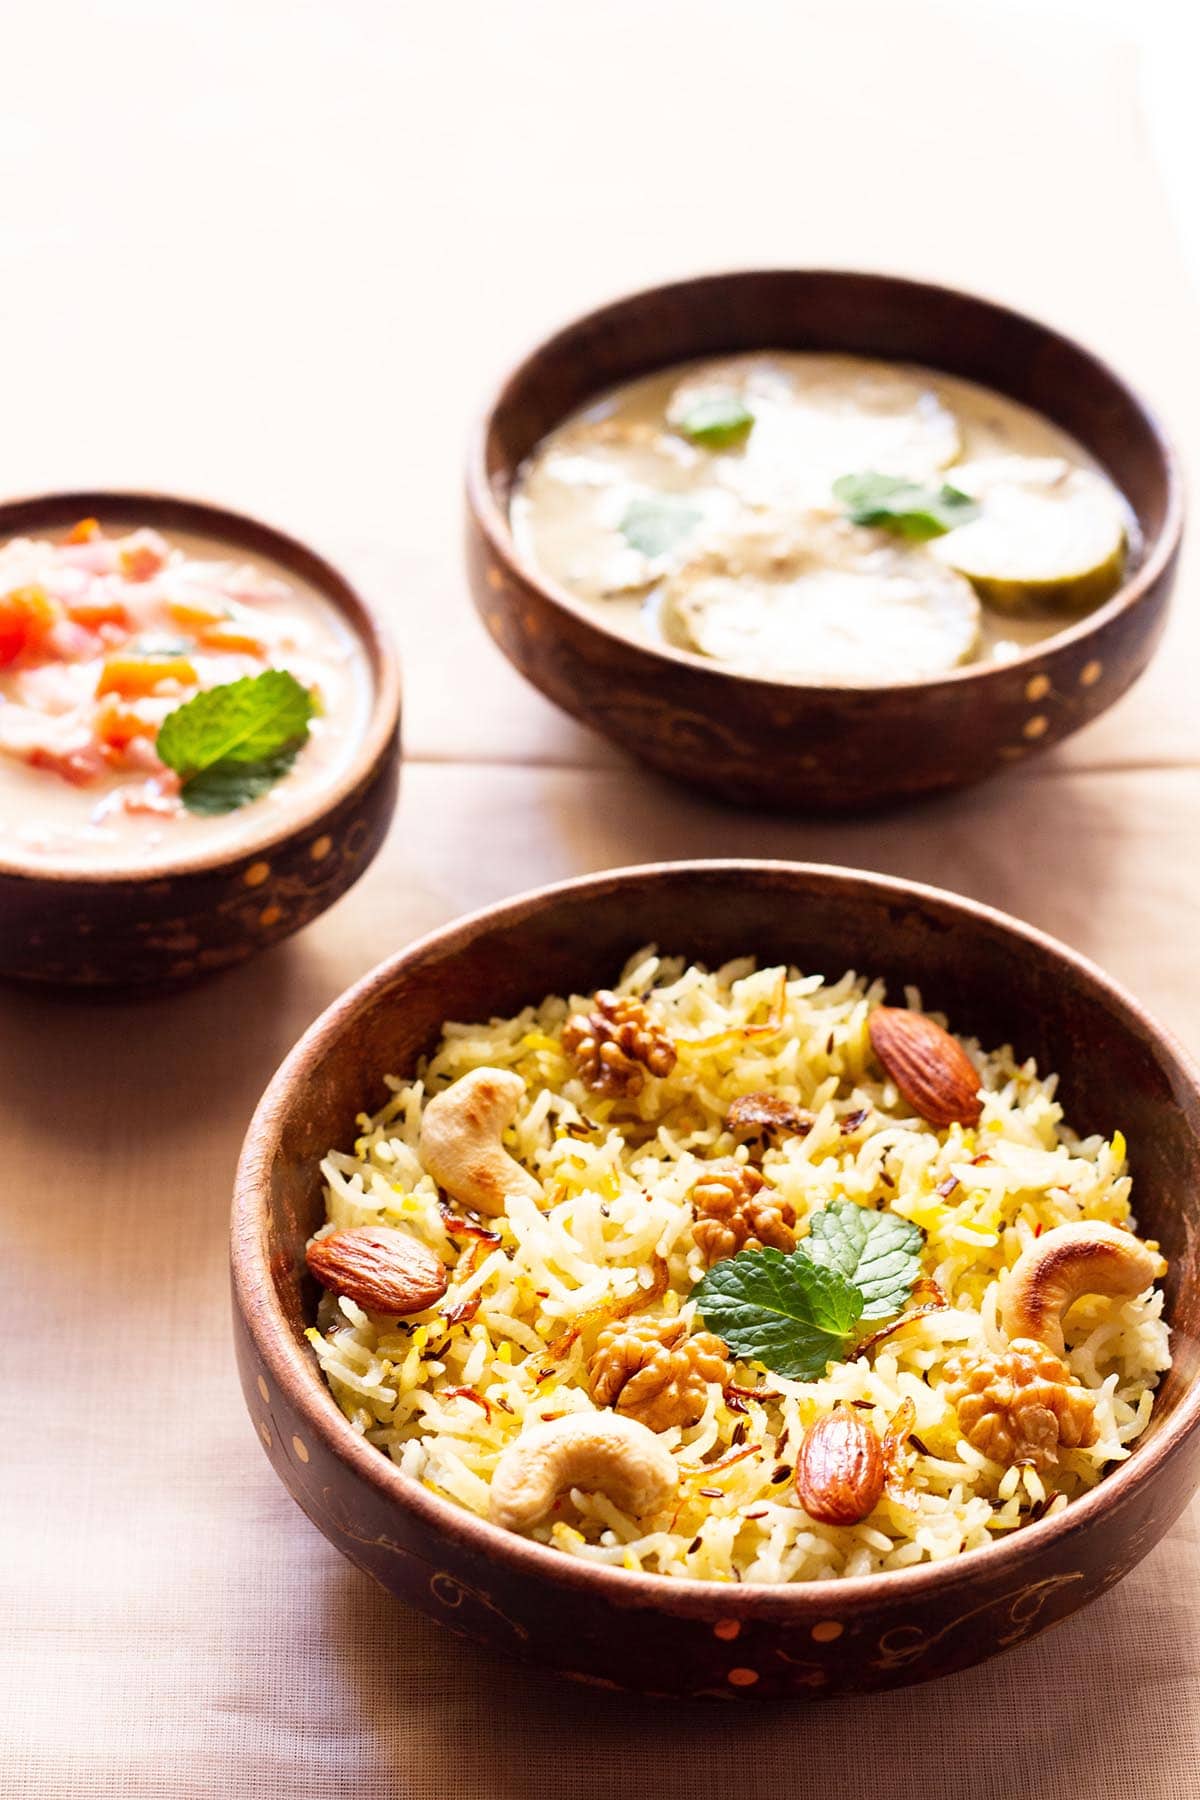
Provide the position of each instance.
(616, 1177)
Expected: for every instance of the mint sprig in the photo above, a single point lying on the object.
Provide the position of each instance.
(715, 420)
(907, 507)
(655, 524)
(878, 1251)
(787, 1312)
(797, 1313)
(231, 744)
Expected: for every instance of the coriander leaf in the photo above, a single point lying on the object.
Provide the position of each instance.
(878, 1251)
(656, 523)
(789, 1313)
(231, 743)
(904, 506)
(716, 420)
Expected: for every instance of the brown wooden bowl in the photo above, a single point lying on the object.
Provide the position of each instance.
(994, 977)
(90, 927)
(779, 744)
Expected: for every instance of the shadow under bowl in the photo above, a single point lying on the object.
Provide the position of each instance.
(192, 915)
(784, 745)
(995, 978)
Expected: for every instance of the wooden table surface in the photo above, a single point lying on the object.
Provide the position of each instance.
(275, 252)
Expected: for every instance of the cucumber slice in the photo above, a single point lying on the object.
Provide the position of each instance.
(816, 421)
(894, 615)
(1048, 537)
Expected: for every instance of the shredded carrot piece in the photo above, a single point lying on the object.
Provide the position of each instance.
(232, 637)
(83, 532)
(136, 675)
(97, 612)
(118, 724)
(196, 612)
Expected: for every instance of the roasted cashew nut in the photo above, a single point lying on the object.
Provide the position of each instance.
(1062, 1265)
(460, 1141)
(600, 1452)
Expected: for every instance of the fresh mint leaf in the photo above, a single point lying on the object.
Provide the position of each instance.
(655, 524)
(227, 785)
(795, 1314)
(878, 1251)
(230, 744)
(789, 1313)
(715, 420)
(907, 507)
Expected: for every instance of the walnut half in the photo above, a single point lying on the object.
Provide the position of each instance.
(616, 1044)
(1020, 1405)
(735, 1210)
(651, 1370)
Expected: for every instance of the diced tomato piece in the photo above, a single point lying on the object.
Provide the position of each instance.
(142, 555)
(12, 638)
(233, 638)
(77, 766)
(83, 532)
(27, 616)
(132, 676)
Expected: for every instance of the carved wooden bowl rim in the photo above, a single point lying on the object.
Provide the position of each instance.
(244, 531)
(289, 1362)
(492, 518)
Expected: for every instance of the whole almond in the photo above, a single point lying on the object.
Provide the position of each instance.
(931, 1068)
(383, 1270)
(840, 1470)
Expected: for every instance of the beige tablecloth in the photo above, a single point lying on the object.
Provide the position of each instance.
(274, 252)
